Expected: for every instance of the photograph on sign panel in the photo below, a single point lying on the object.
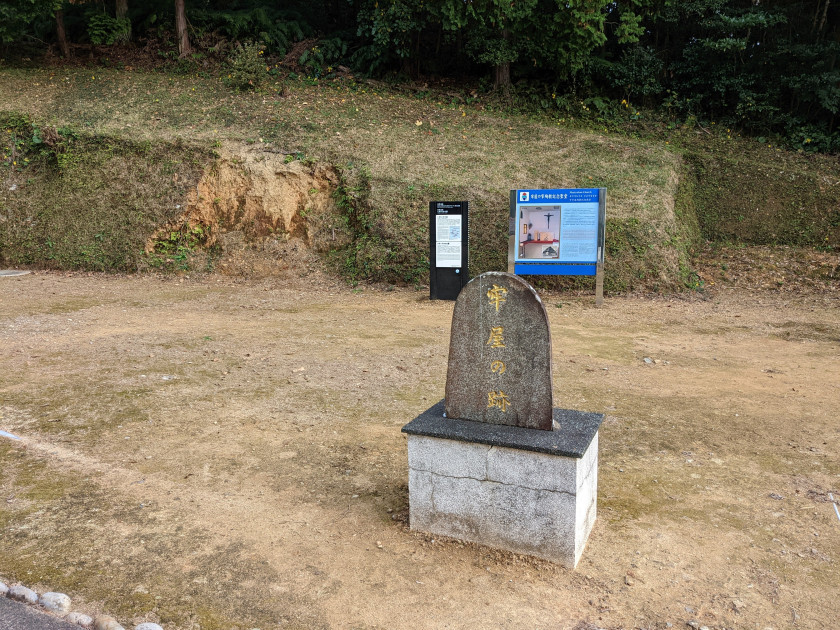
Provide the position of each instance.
(539, 232)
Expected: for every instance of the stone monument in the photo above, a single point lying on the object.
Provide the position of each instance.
(494, 462)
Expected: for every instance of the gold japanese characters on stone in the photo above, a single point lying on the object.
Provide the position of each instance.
(497, 337)
(498, 399)
(497, 296)
(500, 355)
(498, 367)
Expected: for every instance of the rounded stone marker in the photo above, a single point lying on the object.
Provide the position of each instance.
(23, 594)
(104, 622)
(80, 619)
(148, 626)
(499, 369)
(58, 603)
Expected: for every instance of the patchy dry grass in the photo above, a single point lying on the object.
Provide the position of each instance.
(92, 205)
(414, 150)
(396, 152)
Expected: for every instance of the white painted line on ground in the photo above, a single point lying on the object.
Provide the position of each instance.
(834, 503)
(8, 435)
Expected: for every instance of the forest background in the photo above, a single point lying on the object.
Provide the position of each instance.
(169, 134)
(765, 67)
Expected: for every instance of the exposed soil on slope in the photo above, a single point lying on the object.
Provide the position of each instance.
(260, 213)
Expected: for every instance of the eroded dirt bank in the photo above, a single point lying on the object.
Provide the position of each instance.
(255, 212)
(219, 454)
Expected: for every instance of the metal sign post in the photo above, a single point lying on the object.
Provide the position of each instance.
(448, 248)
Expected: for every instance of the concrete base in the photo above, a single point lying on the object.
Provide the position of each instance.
(506, 493)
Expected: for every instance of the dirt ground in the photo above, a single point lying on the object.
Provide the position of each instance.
(215, 453)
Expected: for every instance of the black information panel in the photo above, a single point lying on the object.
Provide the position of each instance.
(448, 248)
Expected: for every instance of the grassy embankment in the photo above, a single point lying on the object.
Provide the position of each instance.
(133, 144)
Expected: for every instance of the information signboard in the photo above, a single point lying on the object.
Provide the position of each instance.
(448, 248)
(558, 232)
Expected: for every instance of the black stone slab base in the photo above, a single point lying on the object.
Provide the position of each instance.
(573, 433)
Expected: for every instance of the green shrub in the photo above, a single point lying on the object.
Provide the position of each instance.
(104, 29)
(276, 28)
(320, 59)
(247, 69)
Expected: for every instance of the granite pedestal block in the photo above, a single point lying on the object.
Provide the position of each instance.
(526, 490)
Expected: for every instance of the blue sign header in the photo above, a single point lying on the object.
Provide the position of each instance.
(557, 195)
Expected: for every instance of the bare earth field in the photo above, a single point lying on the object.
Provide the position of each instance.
(213, 453)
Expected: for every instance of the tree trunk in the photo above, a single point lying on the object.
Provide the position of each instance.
(502, 71)
(121, 10)
(824, 17)
(406, 67)
(184, 49)
(417, 53)
(816, 16)
(501, 75)
(61, 34)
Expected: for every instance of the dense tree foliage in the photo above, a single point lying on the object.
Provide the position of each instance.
(555, 36)
(763, 65)
(17, 17)
(766, 67)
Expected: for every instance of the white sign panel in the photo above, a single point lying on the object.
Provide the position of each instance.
(448, 240)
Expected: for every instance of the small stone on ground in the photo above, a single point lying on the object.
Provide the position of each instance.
(80, 619)
(58, 603)
(104, 622)
(23, 594)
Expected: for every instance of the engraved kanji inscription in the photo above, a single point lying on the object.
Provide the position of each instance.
(498, 399)
(497, 296)
(497, 337)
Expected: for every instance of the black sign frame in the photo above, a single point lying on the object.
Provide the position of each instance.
(449, 256)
